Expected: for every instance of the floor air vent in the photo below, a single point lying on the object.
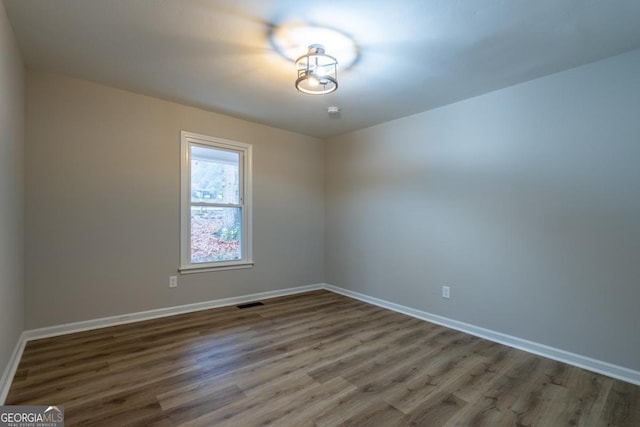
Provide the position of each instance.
(249, 304)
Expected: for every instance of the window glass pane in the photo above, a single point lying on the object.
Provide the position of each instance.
(215, 234)
(215, 175)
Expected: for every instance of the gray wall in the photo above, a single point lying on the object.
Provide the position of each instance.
(102, 203)
(526, 201)
(11, 190)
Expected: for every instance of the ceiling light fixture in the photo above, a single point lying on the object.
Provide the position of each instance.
(317, 72)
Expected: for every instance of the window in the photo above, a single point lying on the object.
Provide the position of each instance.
(215, 214)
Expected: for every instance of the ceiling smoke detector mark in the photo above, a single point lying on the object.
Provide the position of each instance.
(334, 112)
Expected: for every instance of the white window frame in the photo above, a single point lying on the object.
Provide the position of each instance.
(187, 139)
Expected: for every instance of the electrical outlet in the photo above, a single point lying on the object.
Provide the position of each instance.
(445, 292)
(173, 281)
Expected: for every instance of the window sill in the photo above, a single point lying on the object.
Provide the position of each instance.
(191, 270)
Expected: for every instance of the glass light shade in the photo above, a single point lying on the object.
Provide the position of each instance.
(317, 72)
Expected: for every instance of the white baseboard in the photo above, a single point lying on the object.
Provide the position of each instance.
(11, 368)
(103, 322)
(584, 362)
(86, 325)
(605, 368)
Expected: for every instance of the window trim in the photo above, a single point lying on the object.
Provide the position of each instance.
(246, 169)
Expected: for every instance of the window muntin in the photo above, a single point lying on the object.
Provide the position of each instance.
(216, 199)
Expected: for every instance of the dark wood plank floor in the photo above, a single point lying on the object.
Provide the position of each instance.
(314, 359)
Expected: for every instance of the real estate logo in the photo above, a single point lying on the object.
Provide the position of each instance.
(32, 416)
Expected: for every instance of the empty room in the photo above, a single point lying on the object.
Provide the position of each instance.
(341, 213)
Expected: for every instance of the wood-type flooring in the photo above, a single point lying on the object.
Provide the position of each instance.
(312, 359)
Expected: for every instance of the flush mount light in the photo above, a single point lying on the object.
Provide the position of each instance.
(317, 72)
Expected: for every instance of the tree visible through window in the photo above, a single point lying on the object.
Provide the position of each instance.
(215, 213)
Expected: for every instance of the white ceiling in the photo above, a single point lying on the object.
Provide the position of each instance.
(414, 55)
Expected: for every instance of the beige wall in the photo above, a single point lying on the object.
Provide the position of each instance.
(11, 190)
(102, 203)
(525, 201)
